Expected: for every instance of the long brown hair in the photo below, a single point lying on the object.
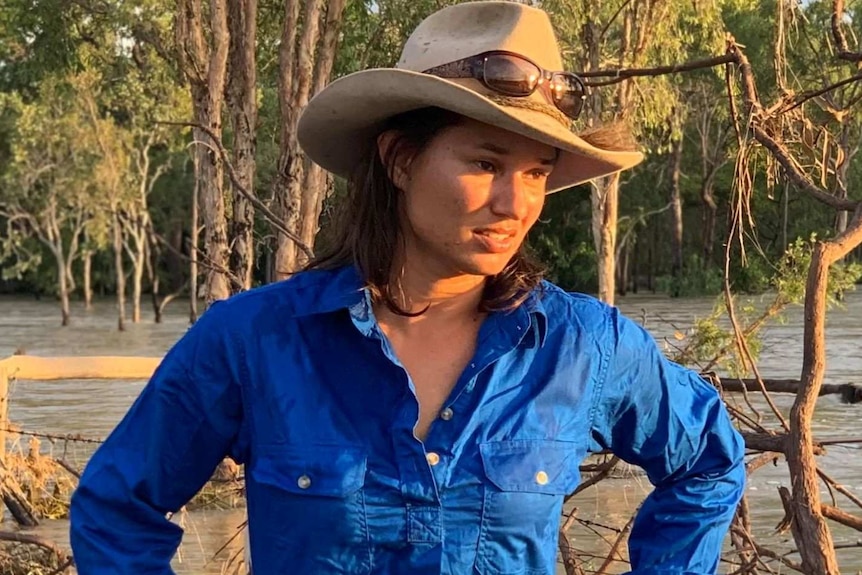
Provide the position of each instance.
(366, 226)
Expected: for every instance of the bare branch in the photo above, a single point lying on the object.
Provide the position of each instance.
(268, 214)
(625, 73)
(28, 539)
(805, 96)
(844, 52)
(842, 517)
(778, 150)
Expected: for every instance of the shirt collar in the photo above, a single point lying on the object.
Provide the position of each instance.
(343, 288)
(534, 307)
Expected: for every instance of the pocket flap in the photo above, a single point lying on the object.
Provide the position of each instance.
(322, 470)
(538, 466)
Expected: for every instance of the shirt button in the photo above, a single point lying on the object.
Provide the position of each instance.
(304, 482)
(446, 414)
(433, 458)
(542, 478)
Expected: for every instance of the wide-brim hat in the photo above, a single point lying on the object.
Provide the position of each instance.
(345, 117)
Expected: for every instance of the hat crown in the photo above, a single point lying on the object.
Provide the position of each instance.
(471, 28)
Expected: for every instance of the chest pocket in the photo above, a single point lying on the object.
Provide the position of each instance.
(526, 481)
(309, 502)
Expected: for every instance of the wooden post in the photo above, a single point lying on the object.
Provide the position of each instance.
(4, 410)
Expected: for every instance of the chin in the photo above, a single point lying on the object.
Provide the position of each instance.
(486, 266)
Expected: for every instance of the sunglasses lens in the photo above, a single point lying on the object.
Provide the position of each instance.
(510, 75)
(568, 93)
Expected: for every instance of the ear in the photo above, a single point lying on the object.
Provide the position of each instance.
(396, 162)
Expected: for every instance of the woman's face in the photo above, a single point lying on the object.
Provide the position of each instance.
(470, 197)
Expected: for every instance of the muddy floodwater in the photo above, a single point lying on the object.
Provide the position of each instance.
(92, 408)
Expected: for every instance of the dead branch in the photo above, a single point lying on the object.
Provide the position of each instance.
(761, 460)
(803, 97)
(773, 443)
(16, 501)
(231, 172)
(812, 536)
(842, 517)
(849, 392)
(839, 488)
(202, 260)
(778, 150)
(615, 547)
(28, 539)
(623, 73)
(775, 556)
(602, 471)
(571, 560)
(844, 52)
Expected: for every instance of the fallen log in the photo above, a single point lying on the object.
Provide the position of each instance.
(776, 443)
(849, 392)
(15, 500)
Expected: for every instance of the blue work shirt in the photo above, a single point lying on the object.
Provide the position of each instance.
(297, 381)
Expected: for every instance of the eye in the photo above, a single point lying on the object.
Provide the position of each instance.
(538, 175)
(486, 166)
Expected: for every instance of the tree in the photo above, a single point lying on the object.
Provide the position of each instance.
(305, 64)
(46, 190)
(242, 108)
(641, 33)
(202, 52)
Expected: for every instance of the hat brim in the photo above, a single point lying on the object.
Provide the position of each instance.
(351, 111)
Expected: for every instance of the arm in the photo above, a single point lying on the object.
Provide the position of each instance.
(664, 418)
(185, 421)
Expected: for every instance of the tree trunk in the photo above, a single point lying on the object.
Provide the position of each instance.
(842, 174)
(205, 66)
(62, 288)
(710, 214)
(193, 253)
(623, 269)
(605, 202)
(317, 183)
(785, 209)
(812, 535)
(216, 252)
(88, 279)
(117, 244)
(296, 75)
(676, 211)
(651, 258)
(137, 280)
(242, 106)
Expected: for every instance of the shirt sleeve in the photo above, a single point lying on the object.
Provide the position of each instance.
(667, 420)
(184, 422)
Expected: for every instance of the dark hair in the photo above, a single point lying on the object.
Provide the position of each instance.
(366, 228)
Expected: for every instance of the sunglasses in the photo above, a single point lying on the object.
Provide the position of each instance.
(511, 74)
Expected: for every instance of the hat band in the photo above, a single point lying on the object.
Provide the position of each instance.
(532, 105)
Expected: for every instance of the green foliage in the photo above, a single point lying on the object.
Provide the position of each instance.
(695, 280)
(562, 241)
(57, 57)
(711, 343)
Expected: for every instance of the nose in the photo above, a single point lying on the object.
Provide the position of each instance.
(511, 197)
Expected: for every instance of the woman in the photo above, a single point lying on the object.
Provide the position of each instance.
(418, 401)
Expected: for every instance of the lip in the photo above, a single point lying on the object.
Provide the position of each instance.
(496, 240)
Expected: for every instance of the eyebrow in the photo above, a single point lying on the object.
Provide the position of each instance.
(501, 151)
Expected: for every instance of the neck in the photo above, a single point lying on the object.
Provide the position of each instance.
(452, 299)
